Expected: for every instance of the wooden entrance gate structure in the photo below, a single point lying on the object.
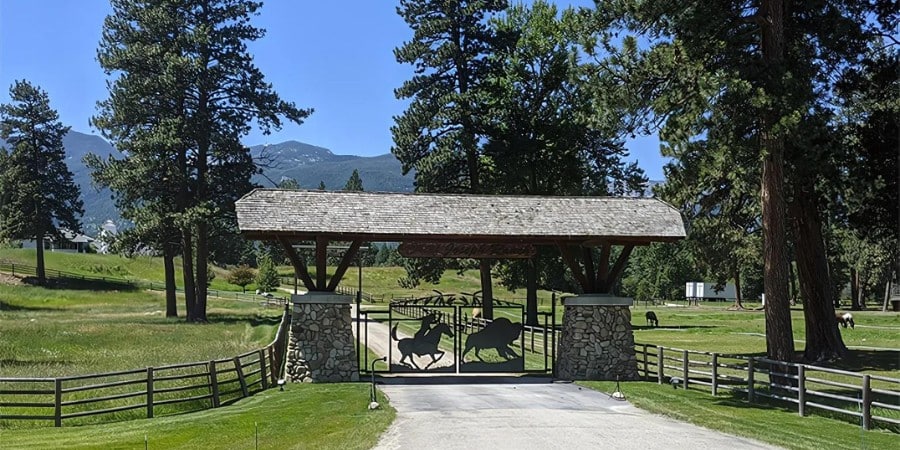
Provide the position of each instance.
(596, 341)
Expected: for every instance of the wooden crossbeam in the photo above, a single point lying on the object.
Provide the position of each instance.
(344, 264)
(298, 263)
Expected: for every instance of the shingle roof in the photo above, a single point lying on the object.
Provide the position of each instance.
(272, 213)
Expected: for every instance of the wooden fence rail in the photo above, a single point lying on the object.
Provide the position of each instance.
(872, 399)
(202, 385)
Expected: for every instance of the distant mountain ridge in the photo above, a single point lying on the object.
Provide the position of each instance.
(308, 164)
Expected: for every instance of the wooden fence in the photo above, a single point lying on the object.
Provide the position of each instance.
(146, 392)
(873, 400)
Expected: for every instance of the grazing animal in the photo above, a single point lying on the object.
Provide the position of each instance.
(651, 319)
(844, 319)
(498, 334)
(427, 344)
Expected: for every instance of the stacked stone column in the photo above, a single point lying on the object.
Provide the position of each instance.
(597, 341)
(321, 346)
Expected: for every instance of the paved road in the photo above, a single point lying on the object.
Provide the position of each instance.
(525, 413)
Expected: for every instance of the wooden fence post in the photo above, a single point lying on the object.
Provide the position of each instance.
(214, 384)
(57, 402)
(750, 380)
(646, 374)
(149, 392)
(801, 390)
(240, 374)
(686, 371)
(263, 376)
(659, 365)
(866, 403)
(274, 370)
(715, 374)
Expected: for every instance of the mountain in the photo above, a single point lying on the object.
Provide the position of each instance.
(310, 165)
(306, 163)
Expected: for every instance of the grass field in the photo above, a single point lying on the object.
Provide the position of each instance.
(48, 332)
(303, 416)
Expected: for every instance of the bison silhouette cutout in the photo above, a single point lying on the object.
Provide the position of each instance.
(499, 335)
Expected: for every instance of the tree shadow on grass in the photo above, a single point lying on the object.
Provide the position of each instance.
(76, 284)
(868, 360)
(4, 306)
(252, 320)
(670, 327)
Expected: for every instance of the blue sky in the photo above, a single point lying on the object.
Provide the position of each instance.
(336, 57)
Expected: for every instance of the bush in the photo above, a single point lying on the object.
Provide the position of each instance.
(241, 276)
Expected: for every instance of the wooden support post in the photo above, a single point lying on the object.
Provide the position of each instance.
(617, 269)
(214, 384)
(801, 390)
(487, 290)
(149, 392)
(866, 403)
(300, 269)
(57, 402)
(646, 374)
(659, 365)
(321, 262)
(240, 373)
(603, 264)
(342, 267)
(588, 260)
(273, 367)
(715, 374)
(576, 269)
(686, 369)
(263, 376)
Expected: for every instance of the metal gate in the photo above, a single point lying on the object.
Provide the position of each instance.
(443, 334)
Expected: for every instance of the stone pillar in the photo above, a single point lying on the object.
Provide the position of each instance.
(321, 346)
(597, 342)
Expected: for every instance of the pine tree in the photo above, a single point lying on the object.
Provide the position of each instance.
(184, 94)
(37, 195)
(354, 183)
(266, 276)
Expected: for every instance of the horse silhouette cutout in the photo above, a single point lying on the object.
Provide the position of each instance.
(425, 344)
(498, 334)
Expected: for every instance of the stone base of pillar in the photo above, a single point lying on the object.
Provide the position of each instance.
(597, 341)
(321, 346)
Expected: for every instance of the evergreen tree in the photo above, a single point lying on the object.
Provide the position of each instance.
(266, 276)
(37, 195)
(354, 183)
(185, 92)
(321, 185)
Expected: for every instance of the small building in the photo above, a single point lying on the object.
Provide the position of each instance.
(698, 290)
(71, 243)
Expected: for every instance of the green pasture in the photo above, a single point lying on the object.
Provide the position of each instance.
(771, 423)
(303, 416)
(54, 332)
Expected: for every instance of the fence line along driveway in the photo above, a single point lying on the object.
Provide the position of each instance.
(528, 413)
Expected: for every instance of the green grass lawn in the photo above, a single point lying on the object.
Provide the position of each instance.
(303, 416)
(733, 415)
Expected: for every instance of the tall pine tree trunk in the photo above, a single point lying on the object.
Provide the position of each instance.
(487, 289)
(169, 271)
(779, 332)
(738, 303)
(187, 270)
(823, 339)
(531, 303)
(40, 272)
(202, 271)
